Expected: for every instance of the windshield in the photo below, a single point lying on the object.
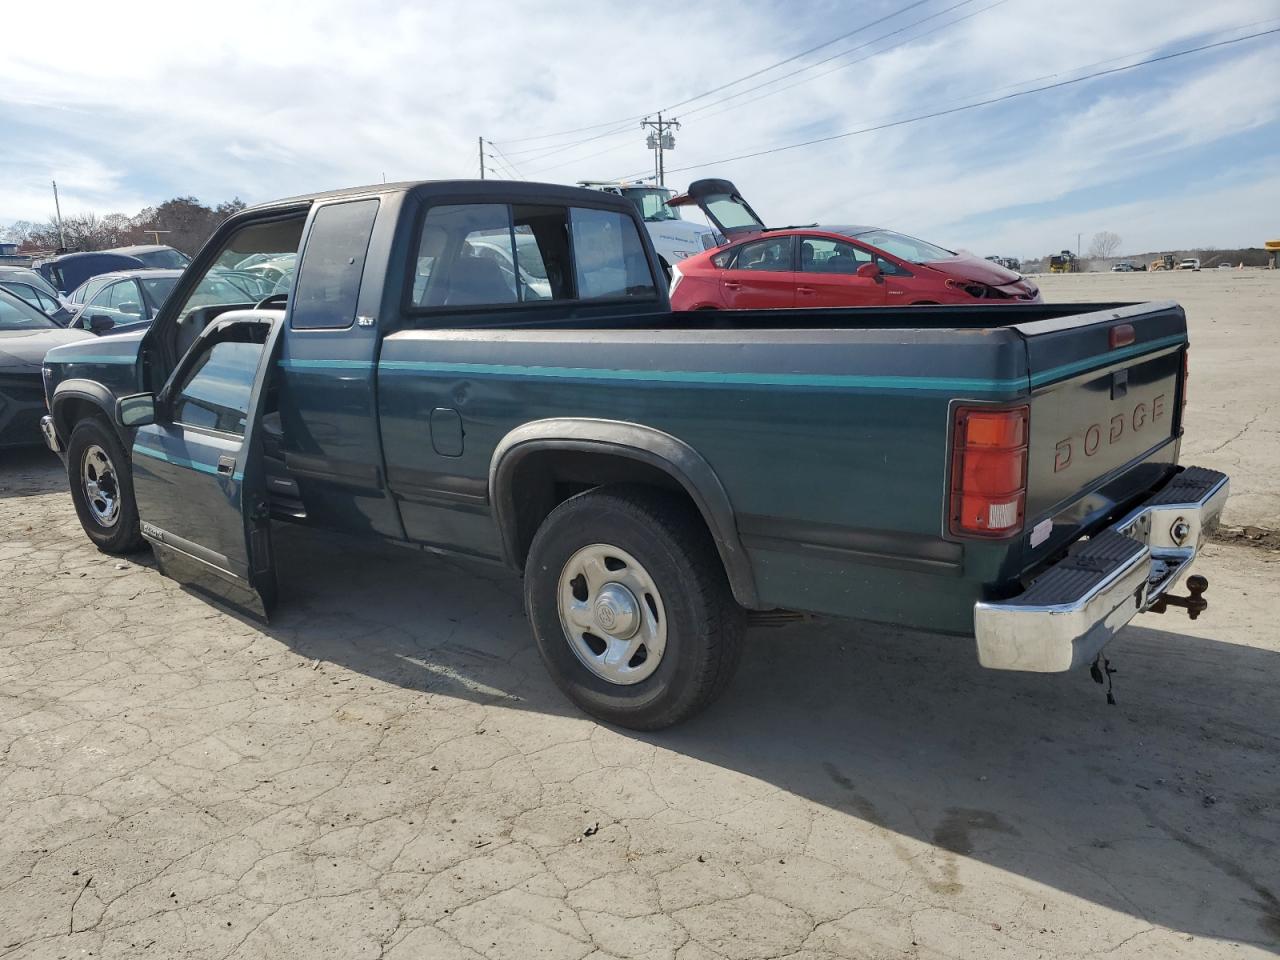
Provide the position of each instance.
(18, 315)
(169, 259)
(652, 202)
(904, 247)
(158, 288)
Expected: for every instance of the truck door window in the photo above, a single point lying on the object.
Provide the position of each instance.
(216, 393)
(226, 284)
(609, 259)
(333, 265)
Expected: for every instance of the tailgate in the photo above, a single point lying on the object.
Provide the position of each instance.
(1105, 415)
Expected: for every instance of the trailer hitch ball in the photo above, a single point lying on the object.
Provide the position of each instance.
(1194, 603)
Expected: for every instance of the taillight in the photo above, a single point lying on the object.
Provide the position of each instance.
(988, 471)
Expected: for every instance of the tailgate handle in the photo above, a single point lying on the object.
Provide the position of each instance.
(1119, 384)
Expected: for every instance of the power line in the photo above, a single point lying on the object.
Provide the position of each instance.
(511, 167)
(549, 151)
(723, 86)
(834, 56)
(803, 53)
(980, 103)
(851, 63)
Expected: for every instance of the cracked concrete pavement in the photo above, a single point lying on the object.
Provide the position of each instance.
(387, 771)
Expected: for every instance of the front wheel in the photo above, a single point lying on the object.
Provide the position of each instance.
(102, 487)
(631, 608)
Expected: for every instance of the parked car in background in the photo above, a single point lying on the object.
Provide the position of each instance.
(1124, 266)
(26, 335)
(36, 297)
(827, 266)
(155, 255)
(68, 270)
(673, 237)
(124, 300)
(1189, 263)
(1225, 266)
(37, 291)
(28, 276)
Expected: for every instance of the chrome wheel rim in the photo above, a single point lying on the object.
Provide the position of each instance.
(100, 485)
(612, 614)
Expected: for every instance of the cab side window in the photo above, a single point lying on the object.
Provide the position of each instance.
(215, 395)
(461, 255)
(333, 265)
(608, 256)
(492, 254)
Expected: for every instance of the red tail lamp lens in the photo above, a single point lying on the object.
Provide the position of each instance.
(988, 471)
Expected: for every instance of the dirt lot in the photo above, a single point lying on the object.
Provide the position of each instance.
(387, 771)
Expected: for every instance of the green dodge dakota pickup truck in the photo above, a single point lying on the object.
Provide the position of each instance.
(493, 369)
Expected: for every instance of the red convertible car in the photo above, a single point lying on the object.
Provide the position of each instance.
(826, 266)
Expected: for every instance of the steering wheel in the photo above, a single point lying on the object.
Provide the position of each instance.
(268, 301)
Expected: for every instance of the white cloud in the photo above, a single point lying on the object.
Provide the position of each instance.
(269, 100)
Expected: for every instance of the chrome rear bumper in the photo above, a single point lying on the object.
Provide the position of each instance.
(1070, 612)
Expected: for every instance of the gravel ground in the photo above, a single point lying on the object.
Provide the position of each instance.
(386, 770)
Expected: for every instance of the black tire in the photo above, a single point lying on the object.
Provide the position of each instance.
(704, 624)
(123, 534)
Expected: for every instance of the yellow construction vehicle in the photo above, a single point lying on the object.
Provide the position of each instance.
(1164, 263)
(1065, 262)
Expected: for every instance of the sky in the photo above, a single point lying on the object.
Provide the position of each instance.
(263, 101)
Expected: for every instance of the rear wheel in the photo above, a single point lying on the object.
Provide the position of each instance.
(102, 487)
(630, 606)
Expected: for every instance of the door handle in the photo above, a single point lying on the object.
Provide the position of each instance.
(732, 284)
(804, 290)
(226, 466)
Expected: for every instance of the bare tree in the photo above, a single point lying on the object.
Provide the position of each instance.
(1104, 245)
(186, 221)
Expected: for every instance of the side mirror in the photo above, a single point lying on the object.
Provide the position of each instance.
(100, 323)
(869, 271)
(136, 410)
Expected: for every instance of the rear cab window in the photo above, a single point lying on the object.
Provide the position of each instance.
(496, 254)
(332, 265)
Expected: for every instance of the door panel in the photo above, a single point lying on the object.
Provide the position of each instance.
(761, 275)
(828, 275)
(198, 477)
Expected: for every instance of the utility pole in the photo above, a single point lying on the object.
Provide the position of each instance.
(62, 237)
(1077, 246)
(660, 140)
(482, 158)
